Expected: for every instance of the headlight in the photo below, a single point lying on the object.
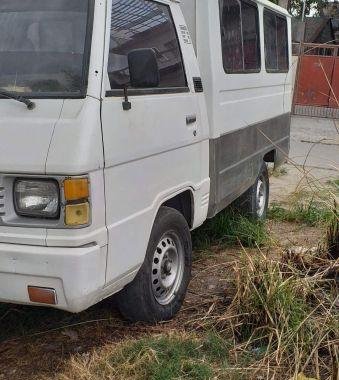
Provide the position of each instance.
(37, 199)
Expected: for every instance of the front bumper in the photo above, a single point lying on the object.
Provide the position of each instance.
(76, 274)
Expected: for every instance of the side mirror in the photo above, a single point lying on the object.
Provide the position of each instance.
(143, 68)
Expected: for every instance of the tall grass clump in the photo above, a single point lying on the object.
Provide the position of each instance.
(289, 312)
(229, 228)
(309, 212)
(332, 234)
(335, 184)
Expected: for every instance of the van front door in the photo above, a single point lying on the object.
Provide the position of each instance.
(154, 148)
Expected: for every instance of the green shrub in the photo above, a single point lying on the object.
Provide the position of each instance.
(229, 228)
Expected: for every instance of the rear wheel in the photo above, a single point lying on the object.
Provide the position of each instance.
(254, 202)
(158, 291)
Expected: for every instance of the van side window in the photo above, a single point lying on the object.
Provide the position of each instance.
(240, 36)
(276, 42)
(144, 24)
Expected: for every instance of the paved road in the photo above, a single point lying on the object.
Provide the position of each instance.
(315, 142)
(321, 160)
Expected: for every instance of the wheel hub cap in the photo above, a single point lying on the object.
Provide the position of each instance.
(167, 268)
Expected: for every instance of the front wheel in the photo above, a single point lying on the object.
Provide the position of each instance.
(159, 289)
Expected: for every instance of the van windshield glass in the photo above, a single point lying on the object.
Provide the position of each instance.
(42, 46)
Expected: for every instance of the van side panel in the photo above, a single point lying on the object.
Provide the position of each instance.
(236, 158)
(249, 113)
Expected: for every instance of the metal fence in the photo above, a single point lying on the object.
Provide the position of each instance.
(317, 80)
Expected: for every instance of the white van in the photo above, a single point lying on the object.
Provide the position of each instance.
(124, 124)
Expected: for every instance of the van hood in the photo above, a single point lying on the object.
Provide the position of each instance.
(59, 137)
(76, 145)
(25, 136)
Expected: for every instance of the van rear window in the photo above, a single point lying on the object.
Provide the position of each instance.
(240, 36)
(276, 42)
(143, 24)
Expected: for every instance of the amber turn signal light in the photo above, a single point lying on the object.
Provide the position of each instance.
(42, 295)
(77, 214)
(76, 189)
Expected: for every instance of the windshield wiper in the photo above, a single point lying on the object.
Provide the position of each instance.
(30, 105)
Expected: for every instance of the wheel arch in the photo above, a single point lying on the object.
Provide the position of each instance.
(270, 156)
(183, 203)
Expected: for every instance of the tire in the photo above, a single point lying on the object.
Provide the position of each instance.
(158, 291)
(254, 203)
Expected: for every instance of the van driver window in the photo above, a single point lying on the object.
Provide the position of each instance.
(240, 36)
(142, 24)
(276, 42)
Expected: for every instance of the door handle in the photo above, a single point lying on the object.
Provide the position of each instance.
(191, 119)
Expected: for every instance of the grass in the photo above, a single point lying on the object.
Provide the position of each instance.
(271, 299)
(311, 212)
(164, 357)
(229, 228)
(335, 184)
(332, 235)
(287, 311)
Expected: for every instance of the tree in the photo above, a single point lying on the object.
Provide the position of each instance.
(295, 7)
(316, 6)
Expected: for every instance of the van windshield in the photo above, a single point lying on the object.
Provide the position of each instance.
(42, 47)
